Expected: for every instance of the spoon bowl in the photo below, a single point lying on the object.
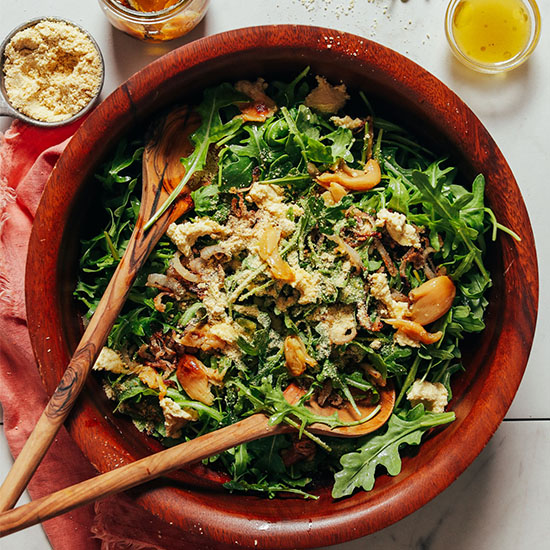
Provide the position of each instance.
(377, 413)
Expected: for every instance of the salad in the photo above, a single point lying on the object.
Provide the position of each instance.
(326, 248)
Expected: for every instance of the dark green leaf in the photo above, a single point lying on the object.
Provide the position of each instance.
(358, 468)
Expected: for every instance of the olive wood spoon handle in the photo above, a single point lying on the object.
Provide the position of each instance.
(162, 171)
(254, 427)
(133, 474)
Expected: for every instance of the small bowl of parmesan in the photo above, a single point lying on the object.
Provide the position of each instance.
(51, 72)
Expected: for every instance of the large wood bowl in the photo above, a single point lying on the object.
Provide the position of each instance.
(495, 361)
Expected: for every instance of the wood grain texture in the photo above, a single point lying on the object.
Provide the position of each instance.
(162, 172)
(495, 360)
(126, 477)
(151, 467)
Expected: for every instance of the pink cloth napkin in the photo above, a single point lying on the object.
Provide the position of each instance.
(27, 156)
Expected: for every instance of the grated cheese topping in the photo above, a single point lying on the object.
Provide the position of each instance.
(52, 70)
(380, 289)
(185, 235)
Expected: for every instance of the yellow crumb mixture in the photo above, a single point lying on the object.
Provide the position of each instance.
(52, 71)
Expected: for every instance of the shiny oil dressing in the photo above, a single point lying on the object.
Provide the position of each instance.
(491, 31)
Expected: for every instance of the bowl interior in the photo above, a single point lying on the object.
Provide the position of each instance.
(495, 360)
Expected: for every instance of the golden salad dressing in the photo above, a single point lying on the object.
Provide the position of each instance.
(491, 31)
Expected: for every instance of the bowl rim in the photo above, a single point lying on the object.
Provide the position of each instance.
(363, 513)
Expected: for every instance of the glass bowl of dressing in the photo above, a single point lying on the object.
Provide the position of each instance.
(492, 36)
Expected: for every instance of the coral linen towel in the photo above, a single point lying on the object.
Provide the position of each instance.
(27, 156)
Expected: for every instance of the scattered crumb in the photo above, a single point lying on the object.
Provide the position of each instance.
(337, 7)
(375, 17)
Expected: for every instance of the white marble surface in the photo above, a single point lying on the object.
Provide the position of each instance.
(502, 501)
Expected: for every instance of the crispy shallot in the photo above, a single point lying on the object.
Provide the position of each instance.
(415, 331)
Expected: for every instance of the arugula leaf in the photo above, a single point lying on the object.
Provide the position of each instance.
(235, 171)
(472, 205)
(358, 468)
(374, 358)
(196, 405)
(315, 151)
(327, 216)
(295, 133)
(120, 162)
(190, 313)
(133, 388)
(288, 91)
(432, 191)
(268, 487)
(400, 196)
(211, 130)
(206, 199)
(254, 146)
(258, 346)
(342, 142)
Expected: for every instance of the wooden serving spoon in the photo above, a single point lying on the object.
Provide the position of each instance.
(254, 427)
(162, 172)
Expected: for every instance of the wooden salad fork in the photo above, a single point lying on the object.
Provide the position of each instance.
(162, 172)
(254, 427)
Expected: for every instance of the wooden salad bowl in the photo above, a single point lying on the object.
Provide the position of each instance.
(494, 360)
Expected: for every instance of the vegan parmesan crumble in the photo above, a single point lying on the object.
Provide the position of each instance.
(52, 71)
(433, 396)
(402, 233)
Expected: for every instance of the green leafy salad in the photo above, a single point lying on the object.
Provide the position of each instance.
(326, 248)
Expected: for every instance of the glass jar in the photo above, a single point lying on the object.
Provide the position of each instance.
(155, 26)
(492, 36)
